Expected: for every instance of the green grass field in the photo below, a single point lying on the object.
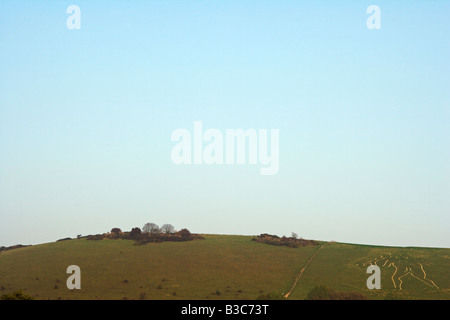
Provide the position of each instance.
(219, 267)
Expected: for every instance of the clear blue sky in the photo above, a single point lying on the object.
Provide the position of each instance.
(86, 118)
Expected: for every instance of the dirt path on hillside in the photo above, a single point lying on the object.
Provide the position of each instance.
(297, 278)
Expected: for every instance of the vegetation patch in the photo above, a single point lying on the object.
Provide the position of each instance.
(149, 233)
(17, 246)
(324, 293)
(17, 295)
(292, 242)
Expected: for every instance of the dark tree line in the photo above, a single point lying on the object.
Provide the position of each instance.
(292, 242)
(17, 246)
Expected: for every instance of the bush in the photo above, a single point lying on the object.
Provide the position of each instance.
(185, 234)
(17, 295)
(17, 246)
(135, 234)
(116, 233)
(95, 237)
(319, 293)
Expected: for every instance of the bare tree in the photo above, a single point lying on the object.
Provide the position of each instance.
(151, 228)
(167, 228)
(294, 235)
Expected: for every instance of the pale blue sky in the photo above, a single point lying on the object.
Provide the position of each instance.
(86, 118)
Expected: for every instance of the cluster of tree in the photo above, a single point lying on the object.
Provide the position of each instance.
(324, 293)
(293, 241)
(14, 247)
(150, 232)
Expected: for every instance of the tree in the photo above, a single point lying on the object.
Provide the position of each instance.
(294, 235)
(167, 228)
(185, 234)
(116, 231)
(151, 228)
(135, 233)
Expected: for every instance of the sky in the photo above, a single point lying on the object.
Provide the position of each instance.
(86, 118)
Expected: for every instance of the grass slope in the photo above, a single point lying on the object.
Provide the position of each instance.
(219, 267)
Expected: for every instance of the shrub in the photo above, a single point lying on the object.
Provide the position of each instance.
(116, 231)
(292, 242)
(17, 246)
(135, 234)
(17, 295)
(319, 293)
(185, 234)
(95, 237)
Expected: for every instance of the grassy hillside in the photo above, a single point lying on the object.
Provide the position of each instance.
(406, 273)
(219, 267)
